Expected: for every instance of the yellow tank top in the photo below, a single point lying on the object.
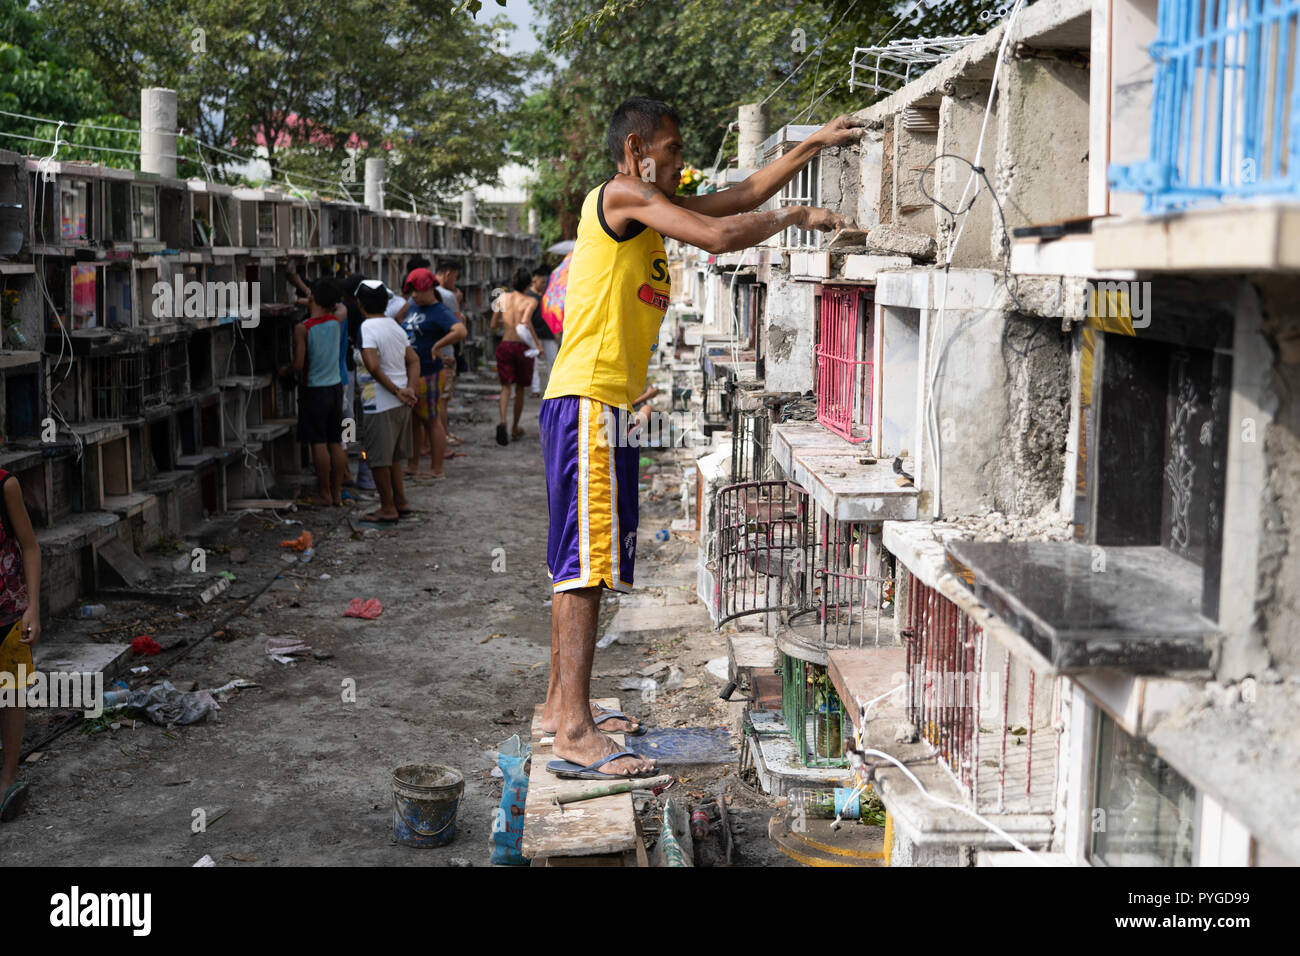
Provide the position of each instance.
(615, 302)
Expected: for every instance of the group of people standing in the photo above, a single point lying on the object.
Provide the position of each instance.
(397, 357)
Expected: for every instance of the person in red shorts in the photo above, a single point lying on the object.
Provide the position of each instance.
(512, 313)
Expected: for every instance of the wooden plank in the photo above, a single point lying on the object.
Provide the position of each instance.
(258, 504)
(603, 826)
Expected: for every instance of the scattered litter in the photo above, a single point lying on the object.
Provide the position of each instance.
(281, 649)
(675, 679)
(142, 669)
(300, 543)
(609, 638)
(650, 670)
(324, 577)
(719, 668)
(288, 559)
(507, 717)
(238, 683)
(206, 860)
(490, 636)
(215, 588)
(547, 603)
(146, 646)
(637, 683)
(369, 610)
(32, 758)
(662, 534)
(460, 861)
(164, 704)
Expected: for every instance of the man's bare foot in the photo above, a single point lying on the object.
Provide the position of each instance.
(591, 745)
(551, 723)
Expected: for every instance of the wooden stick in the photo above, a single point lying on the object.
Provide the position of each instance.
(623, 786)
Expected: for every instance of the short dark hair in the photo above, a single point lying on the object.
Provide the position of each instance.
(325, 292)
(446, 265)
(541, 272)
(522, 280)
(372, 299)
(640, 115)
(349, 290)
(417, 262)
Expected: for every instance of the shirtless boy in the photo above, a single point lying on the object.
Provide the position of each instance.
(514, 366)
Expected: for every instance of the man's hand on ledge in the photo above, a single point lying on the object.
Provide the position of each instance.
(844, 130)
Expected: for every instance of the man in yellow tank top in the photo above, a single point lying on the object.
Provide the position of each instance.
(618, 291)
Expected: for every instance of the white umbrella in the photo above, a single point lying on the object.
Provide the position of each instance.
(562, 248)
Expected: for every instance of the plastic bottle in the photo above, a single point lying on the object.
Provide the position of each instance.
(91, 610)
(701, 826)
(307, 555)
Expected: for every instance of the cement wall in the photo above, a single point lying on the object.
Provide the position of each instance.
(960, 117)
(1003, 403)
(1279, 515)
(1042, 144)
(790, 359)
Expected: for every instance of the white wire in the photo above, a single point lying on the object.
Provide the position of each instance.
(847, 11)
(1016, 844)
(932, 363)
(46, 119)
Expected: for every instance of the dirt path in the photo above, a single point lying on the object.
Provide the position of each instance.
(291, 772)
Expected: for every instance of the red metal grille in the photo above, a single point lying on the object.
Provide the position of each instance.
(843, 378)
(977, 718)
(943, 678)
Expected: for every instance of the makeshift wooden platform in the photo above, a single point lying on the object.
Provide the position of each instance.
(599, 832)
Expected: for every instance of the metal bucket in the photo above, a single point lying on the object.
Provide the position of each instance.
(425, 800)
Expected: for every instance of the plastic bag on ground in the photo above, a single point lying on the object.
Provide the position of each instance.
(164, 704)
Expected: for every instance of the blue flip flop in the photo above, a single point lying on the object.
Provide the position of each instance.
(619, 715)
(569, 770)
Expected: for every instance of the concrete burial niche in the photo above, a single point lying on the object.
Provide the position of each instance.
(1084, 609)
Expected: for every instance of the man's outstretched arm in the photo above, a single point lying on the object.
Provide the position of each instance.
(764, 183)
(629, 199)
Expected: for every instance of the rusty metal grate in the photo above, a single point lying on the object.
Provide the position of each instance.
(761, 551)
(750, 443)
(986, 725)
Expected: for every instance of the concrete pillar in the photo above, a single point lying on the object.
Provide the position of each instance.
(376, 170)
(512, 219)
(753, 130)
(467, 208)
(532, 222)
(158, 131)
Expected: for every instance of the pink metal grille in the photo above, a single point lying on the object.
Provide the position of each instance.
(953, 682)
(843, 379)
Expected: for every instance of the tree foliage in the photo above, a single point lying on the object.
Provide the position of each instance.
(415, 81)
(705, 57)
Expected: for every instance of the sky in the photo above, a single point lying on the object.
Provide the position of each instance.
(521, 39)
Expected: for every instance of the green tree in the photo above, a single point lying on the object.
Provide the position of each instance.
(414, 81)
(706, 57)
(41, 77)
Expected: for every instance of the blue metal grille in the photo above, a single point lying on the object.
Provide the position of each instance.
(1225, 114)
